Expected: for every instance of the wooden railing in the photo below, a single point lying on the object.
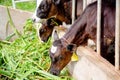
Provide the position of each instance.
(18, 1)
(117, 30)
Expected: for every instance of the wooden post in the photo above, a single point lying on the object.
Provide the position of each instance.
(38, 2)
(99, 26)
(13, 3)
(84, 4)
(117, 36)
(73, 11)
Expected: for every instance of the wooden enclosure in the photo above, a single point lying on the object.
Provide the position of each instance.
(91, 66)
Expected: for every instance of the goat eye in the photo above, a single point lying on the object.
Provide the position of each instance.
(60, 57)
(42, 8)
(43, 30)
(54, 60)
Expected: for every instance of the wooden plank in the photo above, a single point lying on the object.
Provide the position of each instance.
(91, 66)
(99, 26)
(117, 36)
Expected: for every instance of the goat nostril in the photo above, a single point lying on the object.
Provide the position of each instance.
(54, 73)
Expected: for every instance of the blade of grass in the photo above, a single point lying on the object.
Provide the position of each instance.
(5, 42)
(47, 75)
(13, 25)
(9, 36)
(5, 73)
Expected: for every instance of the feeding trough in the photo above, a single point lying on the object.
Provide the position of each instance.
(18, 16)
(92, 66)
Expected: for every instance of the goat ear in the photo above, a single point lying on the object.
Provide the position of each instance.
(55, 35)
(56, 2)
(72, 47)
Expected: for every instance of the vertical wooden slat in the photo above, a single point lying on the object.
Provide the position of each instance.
(99, 26)
(38, 2)
(84, 4)
(73, 10)
(117, 35)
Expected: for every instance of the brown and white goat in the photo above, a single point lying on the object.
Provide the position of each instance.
(83, 29)
(47, 28)
(48, 8)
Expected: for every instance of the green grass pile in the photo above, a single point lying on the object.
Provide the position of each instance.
(26, 58)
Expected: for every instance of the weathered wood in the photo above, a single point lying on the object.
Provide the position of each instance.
(117, 34)
(99, 26)
(91, 66)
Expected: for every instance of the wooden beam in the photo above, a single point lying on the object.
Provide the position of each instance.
(13, 3)
(73, 10)
(99, 26)
(38, 2)
(117, 36)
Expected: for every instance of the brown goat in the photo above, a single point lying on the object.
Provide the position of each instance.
(83, 29)
(47, 9)
(66, 4)
(47, 28)
(46, 31)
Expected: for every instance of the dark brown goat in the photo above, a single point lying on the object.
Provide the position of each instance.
(47, 28)
(47, 9)
(83, 29)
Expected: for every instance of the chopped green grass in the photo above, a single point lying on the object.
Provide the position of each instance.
(26, 58)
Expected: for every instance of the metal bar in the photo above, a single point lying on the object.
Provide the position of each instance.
(73, 11)
(117, 36)
(99, 26)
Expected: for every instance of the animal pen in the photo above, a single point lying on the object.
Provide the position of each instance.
(91, 66)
